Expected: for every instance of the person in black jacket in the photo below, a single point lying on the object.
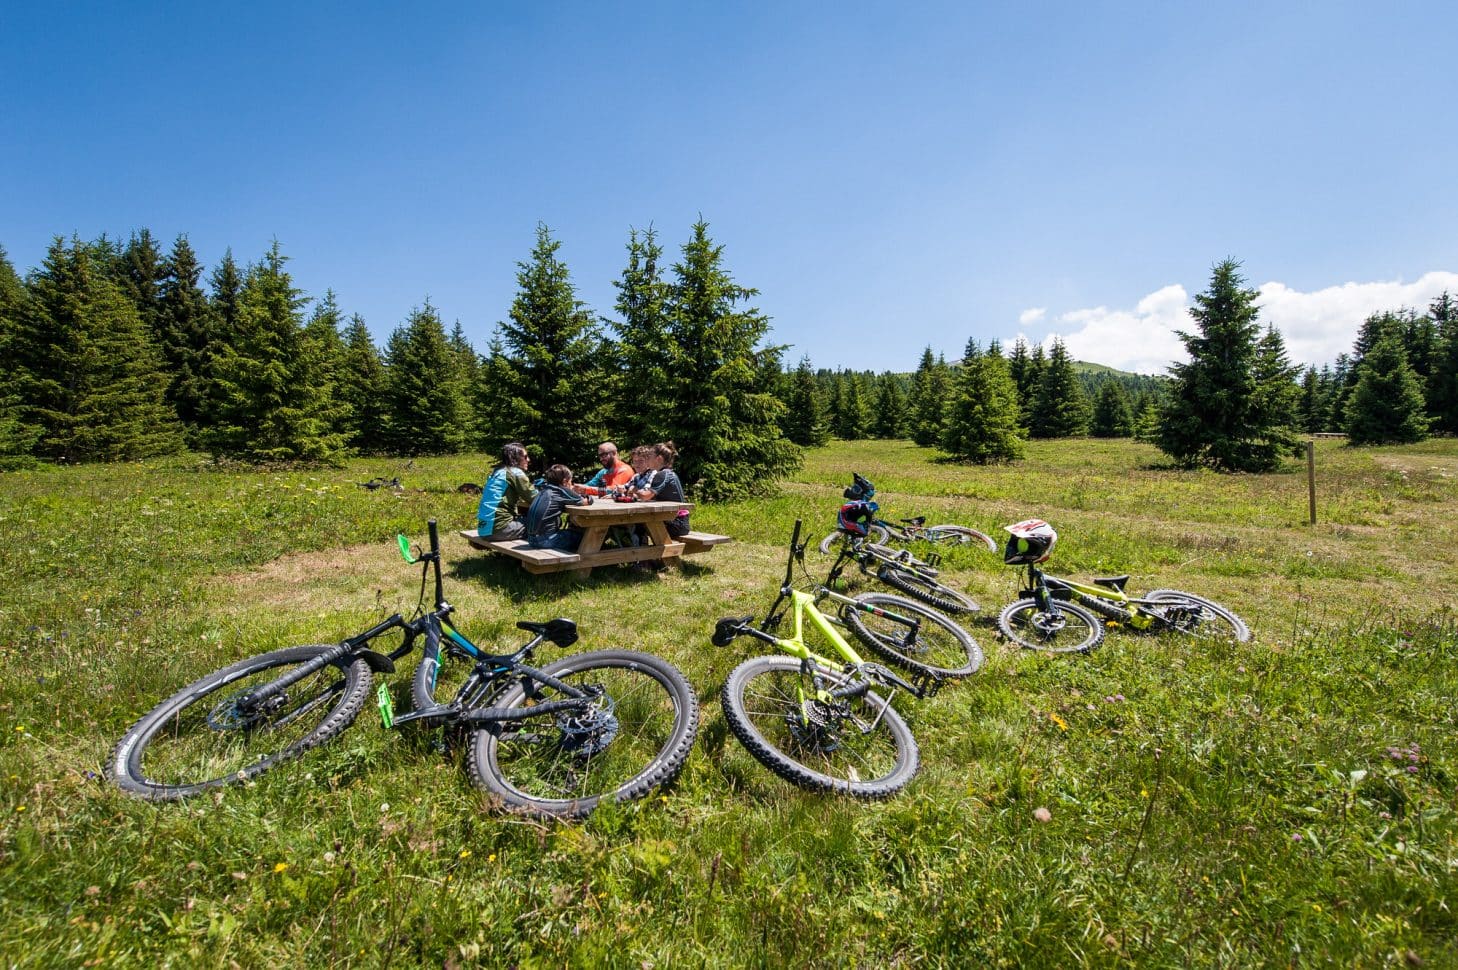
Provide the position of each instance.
(544, 519)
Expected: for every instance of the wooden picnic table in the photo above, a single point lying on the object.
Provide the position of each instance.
(596, 522)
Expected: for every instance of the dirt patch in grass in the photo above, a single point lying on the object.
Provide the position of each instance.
(363, 577)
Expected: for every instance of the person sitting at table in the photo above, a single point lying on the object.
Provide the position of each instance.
(663, 485)
(613, 475)
(544, 519)
(507, 489)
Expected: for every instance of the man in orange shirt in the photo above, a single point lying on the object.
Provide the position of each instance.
(614, 474)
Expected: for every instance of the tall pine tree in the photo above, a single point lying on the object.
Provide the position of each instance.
(185, 332)
(804, 420)
(725, 424)
(549, 374)
(982, 424)
(362, 389)
(1111, 415)
(272, 404)
(1386, 406)
(1060, 407)
(86, 367)
(1215, 413)
(889, 409)
(17, 438)
(642, 353)
(424, 395)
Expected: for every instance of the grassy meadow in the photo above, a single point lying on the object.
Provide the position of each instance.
(1290, 801)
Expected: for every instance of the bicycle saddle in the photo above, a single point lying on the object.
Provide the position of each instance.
(1113, 582)
(919, 520)
(561, 631)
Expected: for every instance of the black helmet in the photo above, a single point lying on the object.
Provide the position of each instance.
(861, 491)
(1032, 540)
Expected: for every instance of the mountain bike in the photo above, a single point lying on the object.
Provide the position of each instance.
(552, 741)
(814, 720)
(1064, 616)
(901, 570)
(903, 531)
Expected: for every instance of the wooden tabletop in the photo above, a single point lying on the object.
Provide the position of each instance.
(607, 512)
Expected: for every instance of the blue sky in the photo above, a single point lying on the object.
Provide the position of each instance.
(888, 178)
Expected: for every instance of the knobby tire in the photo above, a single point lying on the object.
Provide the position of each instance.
(761, 701)
(1216, 621)
(1073, 629)
(634, 740)
(928, 590)
(941, 646)
(199, 738)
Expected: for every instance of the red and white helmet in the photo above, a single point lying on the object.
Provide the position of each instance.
(855, 517)
(1032, 541)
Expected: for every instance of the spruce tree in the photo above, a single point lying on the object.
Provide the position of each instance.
(1442, 387)
(804, 420)
(551, 372)
(1386, 406)
(86, 368)
(725, 425)
(849, 416)
(1311, 411)
(1060, 408)
(17, 438)
(890, 407)
(982, 424)
(141, 272)
(185, 333)
(272, 405)
(926, 404)
(362, 389)
(424, 396)
(642, 353)
(1111, 415)
(1216, 414)
(224, 303)
(468, 371)
(1277, 395)
(324, 358)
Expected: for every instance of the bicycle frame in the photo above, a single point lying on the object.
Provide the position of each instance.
(803, 605)
(1108, 600)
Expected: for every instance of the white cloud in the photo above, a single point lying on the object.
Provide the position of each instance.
(1032, 315)
(1316, 326)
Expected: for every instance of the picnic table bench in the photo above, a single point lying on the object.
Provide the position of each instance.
(596, 520)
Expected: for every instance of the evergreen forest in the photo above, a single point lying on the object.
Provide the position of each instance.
(126, 350)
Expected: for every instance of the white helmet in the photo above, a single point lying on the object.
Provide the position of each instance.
(1032, 541)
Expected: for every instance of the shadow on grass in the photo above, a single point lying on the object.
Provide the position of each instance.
(507, 577)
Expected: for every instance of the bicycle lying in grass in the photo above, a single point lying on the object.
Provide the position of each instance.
(552, 741)
(1065, 616)
(904, 531)
(897, 569)
(816, 720)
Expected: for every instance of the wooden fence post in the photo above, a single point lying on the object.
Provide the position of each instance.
(1311, 478)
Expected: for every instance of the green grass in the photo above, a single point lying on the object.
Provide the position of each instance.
(1288, 801)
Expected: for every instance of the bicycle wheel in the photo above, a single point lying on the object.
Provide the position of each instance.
(957, 535)
(938, 645)
(858, 746)
(201, 738)
(1072, 629)
(1199, 616)
(634, 737)
(831, 544)
(928, 590)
